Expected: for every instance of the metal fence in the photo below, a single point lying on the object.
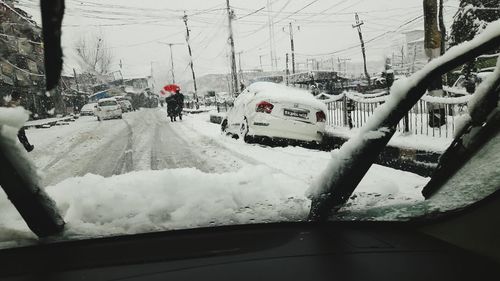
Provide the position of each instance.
(224, 106)
(431, 116)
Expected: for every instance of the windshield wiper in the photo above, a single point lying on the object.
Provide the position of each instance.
(482, 126)
(356, 156)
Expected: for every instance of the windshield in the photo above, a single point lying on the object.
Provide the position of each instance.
(244, 112)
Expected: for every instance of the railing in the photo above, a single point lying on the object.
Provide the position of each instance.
(224, 106)
(431, 116)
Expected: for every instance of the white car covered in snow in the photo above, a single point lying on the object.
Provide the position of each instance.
(108, 108)
(88, 109)
(266, 109)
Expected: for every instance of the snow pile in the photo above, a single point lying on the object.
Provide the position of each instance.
(13, 117)
(172, 199)
(334, 98)
(281, 93)
(446, 100)
(358, 97)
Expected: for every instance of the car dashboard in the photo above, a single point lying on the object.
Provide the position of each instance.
(286, 251)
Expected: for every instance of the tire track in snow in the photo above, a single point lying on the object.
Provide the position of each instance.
(169, 150)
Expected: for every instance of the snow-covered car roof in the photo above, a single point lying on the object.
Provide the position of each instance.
(282, 93)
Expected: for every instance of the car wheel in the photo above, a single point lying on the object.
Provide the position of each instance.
(223, 126)
(244, 130)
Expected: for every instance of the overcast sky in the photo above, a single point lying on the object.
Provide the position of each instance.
(135, 31)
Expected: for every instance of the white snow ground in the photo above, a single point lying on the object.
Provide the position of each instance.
(144, 173)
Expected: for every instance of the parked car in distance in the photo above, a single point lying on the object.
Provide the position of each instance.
(463, 86)
(266, 109)
(125, 103)
(123, 106)
(88, 109)
(108, 108)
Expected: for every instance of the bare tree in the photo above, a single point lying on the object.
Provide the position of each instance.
(95, 56)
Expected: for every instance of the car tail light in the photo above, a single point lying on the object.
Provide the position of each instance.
(320, 116)
(265, 107)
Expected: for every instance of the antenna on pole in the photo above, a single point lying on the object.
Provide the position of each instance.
(230, 16)
(358, 26)
(185, 18)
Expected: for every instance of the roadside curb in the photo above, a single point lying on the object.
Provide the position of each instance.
(217, 119)
(195, 111)
(416, 161)
(49, 123)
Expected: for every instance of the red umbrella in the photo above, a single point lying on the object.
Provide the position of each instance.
(169, 90)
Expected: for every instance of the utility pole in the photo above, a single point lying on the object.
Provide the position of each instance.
(292, 48)
(230, 16)
(287, 71)
(260, 60)
(432, 45)
(402, 57)
(240, 70)
(121, 69)
(152, 78)
(271, 36)
(172, 59)
(185, 18)
(358, 26)
(76, 81)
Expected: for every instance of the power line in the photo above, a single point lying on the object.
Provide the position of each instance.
(367, 41)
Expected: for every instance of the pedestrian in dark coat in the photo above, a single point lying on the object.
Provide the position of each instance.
(179, 98)
(15, 101)
(171, 107)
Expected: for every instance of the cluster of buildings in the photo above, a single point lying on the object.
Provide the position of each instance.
(21, 59)
(22, 70)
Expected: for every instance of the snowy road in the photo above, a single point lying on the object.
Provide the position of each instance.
(145, 140)
(142, 140)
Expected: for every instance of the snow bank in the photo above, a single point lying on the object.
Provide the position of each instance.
(13, 117)
(446, 100)
(173, 199)
(334, 98)
(282, 93)
(358, 97)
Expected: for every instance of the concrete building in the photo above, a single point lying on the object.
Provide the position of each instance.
(21, 58)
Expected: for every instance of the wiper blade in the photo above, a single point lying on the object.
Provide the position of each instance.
(477, 131)
(356, 156)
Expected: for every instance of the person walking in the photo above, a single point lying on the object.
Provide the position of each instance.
(171, 107)
(179, 98)
(15, 101)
